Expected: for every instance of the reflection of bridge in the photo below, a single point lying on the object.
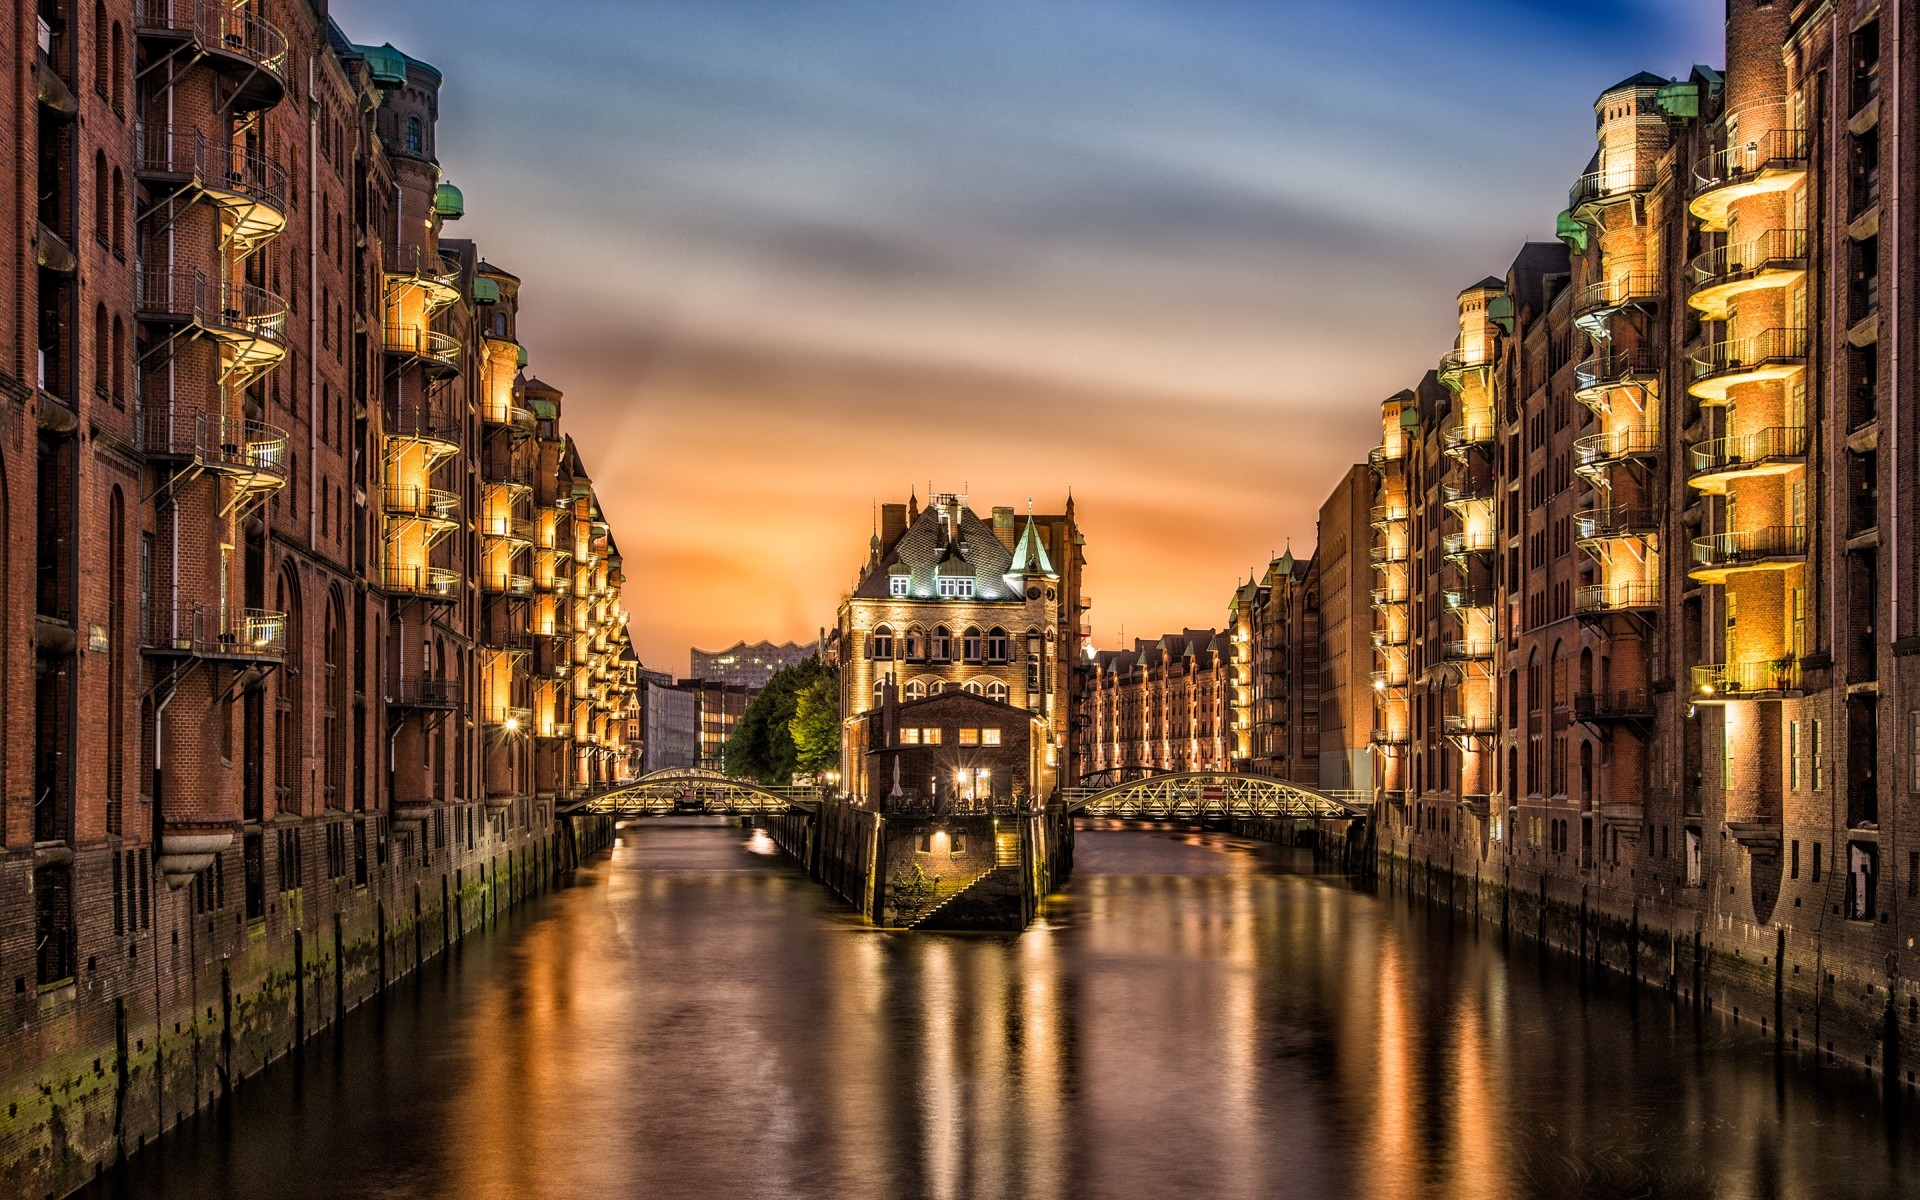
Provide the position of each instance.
(1195, 794)
(693, 790)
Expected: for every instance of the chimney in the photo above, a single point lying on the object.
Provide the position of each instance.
(1003, 527)
(893, 523)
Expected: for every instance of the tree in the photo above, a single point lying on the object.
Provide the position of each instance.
(761, 747)
(815, 728)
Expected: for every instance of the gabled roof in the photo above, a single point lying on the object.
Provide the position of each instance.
(1641, 80)
(928, 551)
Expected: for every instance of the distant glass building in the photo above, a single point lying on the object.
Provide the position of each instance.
(749, 665)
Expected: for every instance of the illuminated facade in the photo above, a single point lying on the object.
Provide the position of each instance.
(1273, 623)
(750, 664)
(946, 600)
(1165, 705)
(320, 618)
(1644, 601)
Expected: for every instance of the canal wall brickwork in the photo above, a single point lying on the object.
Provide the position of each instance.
(1817, 1003)
(951, 871)
(95, 1071)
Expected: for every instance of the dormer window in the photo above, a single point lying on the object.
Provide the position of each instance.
(897, 586)
(956, 587)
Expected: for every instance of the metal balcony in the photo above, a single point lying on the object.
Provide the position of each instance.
(438, 352)
(439, 430)
(1614, 521)
(1386, 639)
(1389, 679)
(1468, 725)
(424, 692)
(506, 583)
(1469, 541)
(1720, 276)
(1380, 456)
(1607, 369)
(1388, 737)
(249, 188)
(1389, 554)
(251, 453)
(424, 503)
(229, 38)
(1756, 679)
(1460, 600)
(1390, 597)
(1388, 514)
(249, 322)
(1467, 651)
(1602, 298)
(1719, 366)
(1775, 450)
(1458, 438)
(1598, 451)
(507, 718)
(1460, 362)
(507, 528)
(1599, 599)
(1468, 490)
(1609, 185)
(1769, 161)
(1774, 547)
(1599, 708)
(209, 632)
(431, 583)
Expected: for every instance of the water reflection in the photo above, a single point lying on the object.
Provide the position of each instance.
(1196, 1016)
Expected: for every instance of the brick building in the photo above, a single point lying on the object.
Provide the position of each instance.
(947, 600)
(323, 619)
(1644, 617)
(1273, 622)
(1345, 576)
(1164, 705)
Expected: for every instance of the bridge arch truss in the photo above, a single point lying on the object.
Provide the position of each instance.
(695, 790)
(1197, 794)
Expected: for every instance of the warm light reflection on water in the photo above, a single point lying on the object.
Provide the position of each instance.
(1196, 1015)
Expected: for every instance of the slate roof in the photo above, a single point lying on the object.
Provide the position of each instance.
(927, 551)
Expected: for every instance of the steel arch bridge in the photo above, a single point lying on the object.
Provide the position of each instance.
(693, 790)
(1195, 794)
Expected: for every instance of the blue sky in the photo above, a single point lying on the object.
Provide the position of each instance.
(789, 257)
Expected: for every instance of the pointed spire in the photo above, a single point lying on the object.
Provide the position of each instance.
(1030, 554)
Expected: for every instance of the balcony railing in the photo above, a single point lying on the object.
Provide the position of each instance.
(1387, 514)
(1773, 348)
(1384, 597)
(1750, 547)
(506, 583)
(1610, 183)
(1749, 158)
(188, 154)
(1616, 445)
(1771, 448)
(1461, 360)
(1614, 521)
(507, 717)
(1392, 552)
(1457, 437)
(1384, 639)
(1605, 294)
(423, 691)
(223, 444)
(1467, 651)
(1383, 680)
(427, 345)
(222, 29)
(1752, 679)
(229, 310)
(431, 582)
(425, 424)
(1614, 368)
(1469, 541)
(1462, 599)
(1388, 737)
(1467, 490)
(507, 528)
(1619, 705)
(206, 631)
(427, 503)
(1468, 724)
(1596, 599)
(1780, 249)
(1381, 455)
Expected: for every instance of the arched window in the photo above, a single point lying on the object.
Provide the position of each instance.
(970, 645)
(116, 657)
(996, 645)
(880, 645)
(118, 377)
(287, 728)
(935, 687)
(333, 703)
(997, 691)
(916, 690)
(916, 644)
(100, 72)
(102, 352)
(119, 68)
(879, 691)
(942, 644)
(119, 212)
(971, 687)
(102, 214)
(413, 136)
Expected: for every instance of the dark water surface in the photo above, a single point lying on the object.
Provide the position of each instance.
(1198, 1015)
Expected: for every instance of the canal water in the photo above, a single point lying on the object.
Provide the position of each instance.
(1196, 1016)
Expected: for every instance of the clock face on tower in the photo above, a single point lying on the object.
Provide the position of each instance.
(1033, 593)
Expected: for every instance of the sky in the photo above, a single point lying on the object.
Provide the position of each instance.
(791, 258)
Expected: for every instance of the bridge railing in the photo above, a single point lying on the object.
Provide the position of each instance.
(1194, 795)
